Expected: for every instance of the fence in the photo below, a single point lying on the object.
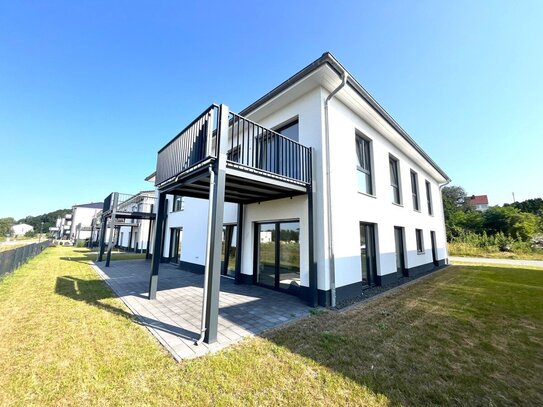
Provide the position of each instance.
(12, 259)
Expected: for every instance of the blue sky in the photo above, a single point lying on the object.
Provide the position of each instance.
(82, 82)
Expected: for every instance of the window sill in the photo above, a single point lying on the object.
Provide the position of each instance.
(420, 253)
(368, 195)
(417, 210)
(397, 204)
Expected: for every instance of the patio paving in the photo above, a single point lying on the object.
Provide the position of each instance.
(174, 317)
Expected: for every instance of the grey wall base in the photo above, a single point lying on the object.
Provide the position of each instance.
(324, 297)
(192, 267)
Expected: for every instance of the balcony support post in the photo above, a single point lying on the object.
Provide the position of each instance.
(148, 252)
(216, 213)
(112, 227)
(102, 243)
(157, 245)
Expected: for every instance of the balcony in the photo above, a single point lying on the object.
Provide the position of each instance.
(130, 206)
(261, 164)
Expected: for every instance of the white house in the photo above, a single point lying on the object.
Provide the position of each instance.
(21, 229)
(81, 219)
(314, 188)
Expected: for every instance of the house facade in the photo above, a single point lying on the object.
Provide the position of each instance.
(81, 220)
(313, 190)
(478, 202)
(21, 229)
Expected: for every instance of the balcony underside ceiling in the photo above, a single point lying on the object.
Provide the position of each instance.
(241, 186)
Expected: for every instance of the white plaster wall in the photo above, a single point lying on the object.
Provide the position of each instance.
(82, 216)
(350, 207)
(193, 219)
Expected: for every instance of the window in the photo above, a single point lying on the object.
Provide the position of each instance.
(395, 180)
(429, 198)
(178, 204)
(272, 150)
(420, 241)
(363, 152)
(289, 130)
(415, 190)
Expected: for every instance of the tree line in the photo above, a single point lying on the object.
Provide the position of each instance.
(48, 219)
(519, 221)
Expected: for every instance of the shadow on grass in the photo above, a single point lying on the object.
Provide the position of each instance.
(94, 292)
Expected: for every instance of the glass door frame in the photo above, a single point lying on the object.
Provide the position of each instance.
(277, 253)
(401, 230)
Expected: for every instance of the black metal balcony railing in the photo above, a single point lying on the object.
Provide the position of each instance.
(140, 203)
(251, 147)
(190, 147)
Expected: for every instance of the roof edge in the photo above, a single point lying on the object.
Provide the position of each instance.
(336, 66)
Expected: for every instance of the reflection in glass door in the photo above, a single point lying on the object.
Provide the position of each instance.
(278, 256)
(367, 254)
(228, 256)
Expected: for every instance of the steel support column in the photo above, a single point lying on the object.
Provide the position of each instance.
(216, 214)
(112, 226)
(102, 243)
(157, 245)
(239, 242)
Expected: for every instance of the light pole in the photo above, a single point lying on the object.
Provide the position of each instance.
(41, 228)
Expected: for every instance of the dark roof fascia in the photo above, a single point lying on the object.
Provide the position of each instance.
(148, 178)
(328, 59)
(90, 205)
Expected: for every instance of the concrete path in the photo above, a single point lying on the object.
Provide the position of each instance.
(531, 263)
(174, 317)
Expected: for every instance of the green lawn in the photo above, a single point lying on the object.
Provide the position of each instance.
(464, 336)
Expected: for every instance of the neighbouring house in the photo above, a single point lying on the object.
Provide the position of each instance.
(313, 190)
(21, 229)
(125, 221)
(81, 219)
(62, 228)
(479, 202)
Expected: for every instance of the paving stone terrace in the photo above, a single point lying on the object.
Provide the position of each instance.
(174, 317)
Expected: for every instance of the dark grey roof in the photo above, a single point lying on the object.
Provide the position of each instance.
(95, 205)
(329, 59)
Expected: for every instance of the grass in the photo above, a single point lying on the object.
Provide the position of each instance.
(467, 250)
(466, 335)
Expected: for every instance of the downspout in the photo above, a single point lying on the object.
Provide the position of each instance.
(331, 265)
(208, 257)
(444, 224)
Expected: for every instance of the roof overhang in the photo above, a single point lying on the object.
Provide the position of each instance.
(327, 72)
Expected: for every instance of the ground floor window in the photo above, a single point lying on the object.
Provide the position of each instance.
(400, 253)
(367, 254)
(229, 250)
(420, 240)
(278, 255)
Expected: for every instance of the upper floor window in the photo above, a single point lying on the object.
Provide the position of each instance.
(429, 198)
(363, 152)
(290, 130)
(178, 204)
(420, 240)
(415, 190)
(395, 180)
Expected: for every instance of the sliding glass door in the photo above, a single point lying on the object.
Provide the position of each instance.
(278, 255)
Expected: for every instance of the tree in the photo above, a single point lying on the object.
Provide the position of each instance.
(5, 226)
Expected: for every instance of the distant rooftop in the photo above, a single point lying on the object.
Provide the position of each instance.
(478, 200)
